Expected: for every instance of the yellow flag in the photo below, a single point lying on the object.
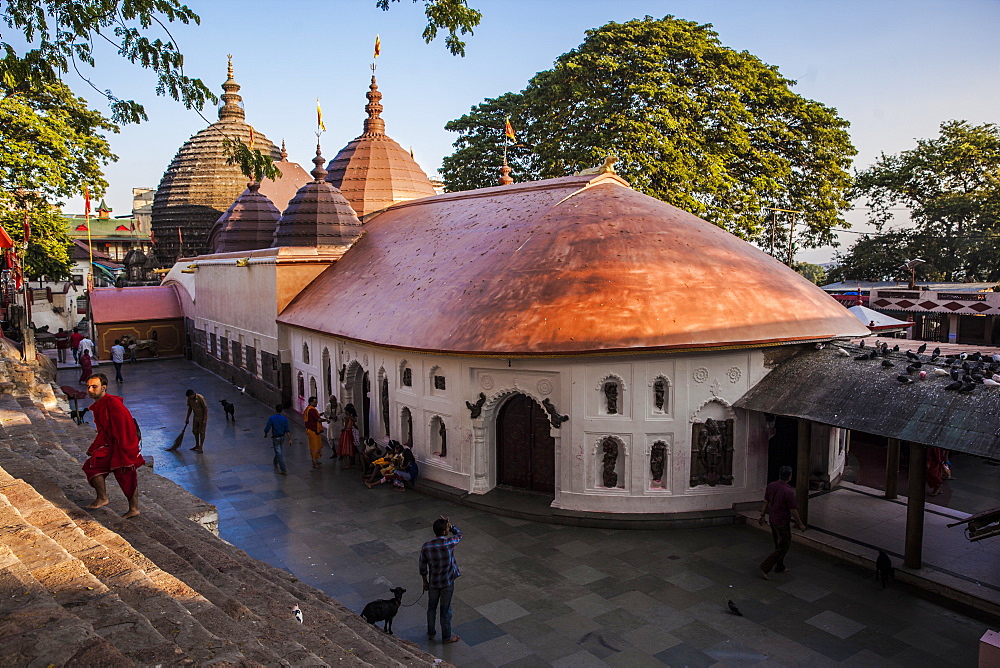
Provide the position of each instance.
(509, 130)
(378, 46)
(250, 145)
(319, 117)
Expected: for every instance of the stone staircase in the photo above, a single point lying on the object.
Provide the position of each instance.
(85, 587)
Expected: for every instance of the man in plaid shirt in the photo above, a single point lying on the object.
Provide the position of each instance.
(439, 570)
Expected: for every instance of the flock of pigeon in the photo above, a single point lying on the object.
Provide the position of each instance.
(966, 371)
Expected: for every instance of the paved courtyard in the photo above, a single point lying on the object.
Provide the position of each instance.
(530, 593)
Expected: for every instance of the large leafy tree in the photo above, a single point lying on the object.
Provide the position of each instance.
(47, 254)
(951, 186)
(51, 145)
(878, 257)
(59, 37)
(699, 125)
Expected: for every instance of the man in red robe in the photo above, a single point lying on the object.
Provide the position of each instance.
(116, 448)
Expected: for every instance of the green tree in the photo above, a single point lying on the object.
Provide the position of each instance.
(59, 37)
(455, 16)
(51, 145)
(878, 257)
(813, 272)
(951, 185)
(706, 128)
(47, 254)
(252, 163)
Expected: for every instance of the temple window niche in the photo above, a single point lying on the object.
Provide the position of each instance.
(658, 454)
(438, 385)
(305, 353)
(610, 453)
(439, 437)
(612, 395)
(661, 395)
(405, 374)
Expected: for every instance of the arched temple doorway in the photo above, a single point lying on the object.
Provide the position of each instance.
(525, 448)
(357, 393)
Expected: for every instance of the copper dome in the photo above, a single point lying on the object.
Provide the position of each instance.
(292, 178)
(199, 186)
(573, 265)
(246, 225)
(373, 171)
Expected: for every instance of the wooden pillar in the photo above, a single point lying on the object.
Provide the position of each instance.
(802, 470)
(892, 468)
(917, 482)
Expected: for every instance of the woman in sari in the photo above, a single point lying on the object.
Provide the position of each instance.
(86, 367)
(348, 437)
(314, 431)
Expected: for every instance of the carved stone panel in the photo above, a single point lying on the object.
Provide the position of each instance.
(712, 453)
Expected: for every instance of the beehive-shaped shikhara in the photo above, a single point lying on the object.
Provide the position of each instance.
(373, 171)
(199, 186)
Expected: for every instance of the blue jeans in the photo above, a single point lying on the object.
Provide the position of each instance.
(442, 595)
(118, 371)
(279, 457)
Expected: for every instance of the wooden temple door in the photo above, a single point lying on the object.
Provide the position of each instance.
(525, 449)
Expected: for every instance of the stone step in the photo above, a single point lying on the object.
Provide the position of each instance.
(269, 649)
(37, 631)
(71, 585)
(227, 577)
(327, 615)
(195, 625)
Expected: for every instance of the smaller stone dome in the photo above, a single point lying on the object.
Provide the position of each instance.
(134, 258)
(318, 215)
(248, 224)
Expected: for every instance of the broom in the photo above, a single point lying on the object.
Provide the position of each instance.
(179, 439)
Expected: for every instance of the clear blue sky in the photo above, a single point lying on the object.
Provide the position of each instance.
(894, 68)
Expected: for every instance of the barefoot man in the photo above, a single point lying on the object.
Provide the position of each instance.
(116, 448)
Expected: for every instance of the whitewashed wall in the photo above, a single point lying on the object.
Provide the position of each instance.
(699, 386)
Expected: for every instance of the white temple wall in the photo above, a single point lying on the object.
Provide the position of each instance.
(697, 386)
(236, 303)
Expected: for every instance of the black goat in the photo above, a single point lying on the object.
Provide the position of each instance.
(384, 610)
(230, 410)
(883, 569)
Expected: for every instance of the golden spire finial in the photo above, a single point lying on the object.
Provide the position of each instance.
(230, 70)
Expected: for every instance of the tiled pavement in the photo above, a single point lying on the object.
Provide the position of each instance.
(536, 594)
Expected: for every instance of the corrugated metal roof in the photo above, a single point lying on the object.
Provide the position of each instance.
(823, 386)
(137, 304)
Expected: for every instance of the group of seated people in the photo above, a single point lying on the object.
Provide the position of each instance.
(396, 464)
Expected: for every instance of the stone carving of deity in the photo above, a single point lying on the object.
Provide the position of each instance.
(610, 447)
(712, 460)
(657, 457)
(659, 394)
(611, 396)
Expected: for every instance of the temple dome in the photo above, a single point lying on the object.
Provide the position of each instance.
(292, 178)
(199, 186)
(246, 225)
(567, 266)
(373, 171)
(318, 215)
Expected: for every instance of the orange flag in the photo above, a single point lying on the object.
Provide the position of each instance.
(378, 46)
(250, 145)
(509, 130)
(86, 201)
